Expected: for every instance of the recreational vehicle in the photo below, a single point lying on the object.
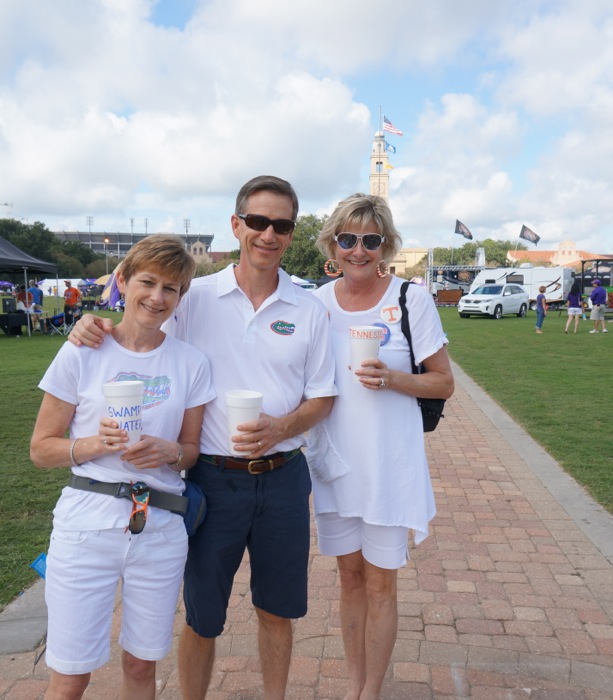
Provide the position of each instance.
(556, 280)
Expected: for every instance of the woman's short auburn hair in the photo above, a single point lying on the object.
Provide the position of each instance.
(357, 210)
(163, 253)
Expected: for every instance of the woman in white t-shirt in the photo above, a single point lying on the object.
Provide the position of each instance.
(371, 483)
(101, 537)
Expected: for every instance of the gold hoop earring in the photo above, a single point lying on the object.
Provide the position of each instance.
(332, 268)
(385, 269)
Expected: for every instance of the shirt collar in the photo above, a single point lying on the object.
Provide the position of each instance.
(285, 291)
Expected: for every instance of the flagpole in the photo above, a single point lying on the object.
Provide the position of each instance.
(380, 168)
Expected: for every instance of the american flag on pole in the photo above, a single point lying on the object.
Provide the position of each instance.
(529, 235)
(388, 126)
(463, 230)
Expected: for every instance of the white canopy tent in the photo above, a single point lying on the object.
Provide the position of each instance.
(50, 287)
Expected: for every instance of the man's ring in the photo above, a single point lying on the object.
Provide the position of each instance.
(259, 444)
(104, 441)
(382, 385)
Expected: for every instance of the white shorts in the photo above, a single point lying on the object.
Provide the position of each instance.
(83, 570)
(381, 545)
(574, 312)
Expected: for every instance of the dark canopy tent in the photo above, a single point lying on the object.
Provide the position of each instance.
(14, 260)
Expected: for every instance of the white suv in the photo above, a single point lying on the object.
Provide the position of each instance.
(494, 300)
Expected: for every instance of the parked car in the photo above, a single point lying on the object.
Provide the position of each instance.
(494, 300)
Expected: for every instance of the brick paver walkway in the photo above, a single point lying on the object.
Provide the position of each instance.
(507, 599)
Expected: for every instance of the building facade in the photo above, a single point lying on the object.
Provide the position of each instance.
(116, 244)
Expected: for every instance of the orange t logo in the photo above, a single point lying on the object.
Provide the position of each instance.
(390, 312)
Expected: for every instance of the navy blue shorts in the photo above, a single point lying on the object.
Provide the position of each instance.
(269, 515)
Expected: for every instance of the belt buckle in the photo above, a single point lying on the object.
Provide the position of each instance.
(253, 469)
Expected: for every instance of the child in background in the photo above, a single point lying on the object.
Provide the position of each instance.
(541, 309)
(574, 306)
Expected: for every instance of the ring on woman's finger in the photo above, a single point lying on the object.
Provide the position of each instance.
(104, 441)
(382, 385)
(259, 443)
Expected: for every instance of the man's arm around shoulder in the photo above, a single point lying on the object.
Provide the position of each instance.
(90, 331)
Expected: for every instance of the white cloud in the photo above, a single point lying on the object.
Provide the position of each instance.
(505, 107)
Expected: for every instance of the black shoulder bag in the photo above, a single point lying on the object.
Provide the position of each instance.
(431, 409)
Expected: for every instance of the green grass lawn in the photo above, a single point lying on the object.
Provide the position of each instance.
(556, 386)
(28, 495)
(553, 384)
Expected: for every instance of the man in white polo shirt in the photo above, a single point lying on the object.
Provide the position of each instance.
(260, 332)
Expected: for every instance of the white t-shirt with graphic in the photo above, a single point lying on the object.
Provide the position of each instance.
(176, 377)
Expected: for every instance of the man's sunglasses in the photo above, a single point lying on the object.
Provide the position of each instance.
(370, 241)
(140, 500)
(257, 222)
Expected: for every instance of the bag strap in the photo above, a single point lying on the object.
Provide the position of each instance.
(404, 323)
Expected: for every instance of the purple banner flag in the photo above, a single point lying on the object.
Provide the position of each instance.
(463, 230)
(529, 235)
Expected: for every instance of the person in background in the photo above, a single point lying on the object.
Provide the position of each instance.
(260, 332)
(98, 539)
(371, 483)
(72, 298)
(541, 308)
(23, 297)
(40, 324)
(598, 297)
(574, 306)
(37, 295)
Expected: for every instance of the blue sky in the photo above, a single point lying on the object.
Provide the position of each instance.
(136, 109)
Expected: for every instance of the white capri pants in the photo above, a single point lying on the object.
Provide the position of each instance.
(384, 546)
(83, 570)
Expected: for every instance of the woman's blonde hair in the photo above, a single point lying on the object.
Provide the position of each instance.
(162, 253)
(357, 210)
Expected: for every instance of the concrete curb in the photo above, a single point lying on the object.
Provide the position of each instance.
(23, 623)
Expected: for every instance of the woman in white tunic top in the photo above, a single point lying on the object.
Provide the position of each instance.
(371, 482)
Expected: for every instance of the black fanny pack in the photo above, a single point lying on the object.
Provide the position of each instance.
(191, 504)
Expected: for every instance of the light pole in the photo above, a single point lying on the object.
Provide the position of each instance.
(90, 221)
(106, 257)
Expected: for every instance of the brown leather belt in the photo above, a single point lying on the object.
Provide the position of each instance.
(253, 466)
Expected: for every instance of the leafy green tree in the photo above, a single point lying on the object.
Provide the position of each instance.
(208, 268)
(418, 270)
(495, 253)
(74, 259)
(74, 249)
(302, 257)
(34, 239)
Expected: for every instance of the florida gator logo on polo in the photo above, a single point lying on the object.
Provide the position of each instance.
(283, 327)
